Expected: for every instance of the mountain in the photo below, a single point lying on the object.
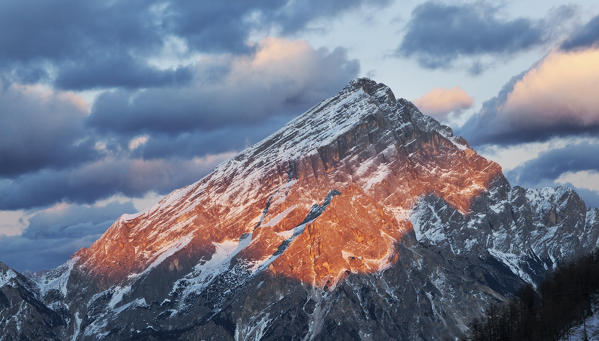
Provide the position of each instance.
(23, 314)
(360, 219)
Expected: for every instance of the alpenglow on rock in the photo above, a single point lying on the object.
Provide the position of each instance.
(360, 219)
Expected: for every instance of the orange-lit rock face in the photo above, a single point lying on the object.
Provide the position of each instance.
(357, 232)
(380, 154)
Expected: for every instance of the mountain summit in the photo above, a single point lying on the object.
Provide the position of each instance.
(363, 153)
(360, 219)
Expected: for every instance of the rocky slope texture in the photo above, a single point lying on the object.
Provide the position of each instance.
(360, 219)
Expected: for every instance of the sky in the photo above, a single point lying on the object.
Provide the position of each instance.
(106, 106)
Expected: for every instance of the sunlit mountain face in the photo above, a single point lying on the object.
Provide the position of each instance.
(327, 195)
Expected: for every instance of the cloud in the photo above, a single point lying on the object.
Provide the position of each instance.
(438, 34)
(552, 164)
(120, 71)
(296, 14)
(512, 156)
(70, 33)
(281, 77)
(41, 128)
(54, 234)
(12, 222)
(587, 36)
(440, 102)
(95, 44)
(190, 144)
(103, 178)
(556, 97)
(588, 179)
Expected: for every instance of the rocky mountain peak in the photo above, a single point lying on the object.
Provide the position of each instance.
(360, 219)
(271, 208)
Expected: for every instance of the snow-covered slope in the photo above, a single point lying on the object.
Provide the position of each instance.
(362, 218)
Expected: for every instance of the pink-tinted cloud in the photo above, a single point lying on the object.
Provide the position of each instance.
(555, 97)
(440, 102)
(563, 88)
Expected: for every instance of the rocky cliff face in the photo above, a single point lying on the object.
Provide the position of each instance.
(23, 314)
(360, 219)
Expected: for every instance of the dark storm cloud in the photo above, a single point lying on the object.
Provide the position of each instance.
(549, 165)
(102, 179)
(91, 44)
(40, 129)
(245, 93)
(53, 235)
(587, 36)
(125, 72)
(438, 34)
(66, 32)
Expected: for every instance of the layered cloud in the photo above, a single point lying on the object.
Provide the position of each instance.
(440, 102)
(103, 44)
(437, 33)
(281, 77)
(104, 178)
(556, 97)
(54, 234)
(551, 164)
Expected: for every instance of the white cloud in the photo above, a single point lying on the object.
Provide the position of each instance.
(12, 223)
(138, 141)
(587, 179)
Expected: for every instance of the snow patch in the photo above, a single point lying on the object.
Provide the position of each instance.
(117, 295)
(168, 251)
(57, 279)
(203, 273)
(429, 229)
(77, 327)
(254, 330)
(512, 262)
(290, 237)
(6, 277)
(277, 219)
(380, 174)
(139, 302)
